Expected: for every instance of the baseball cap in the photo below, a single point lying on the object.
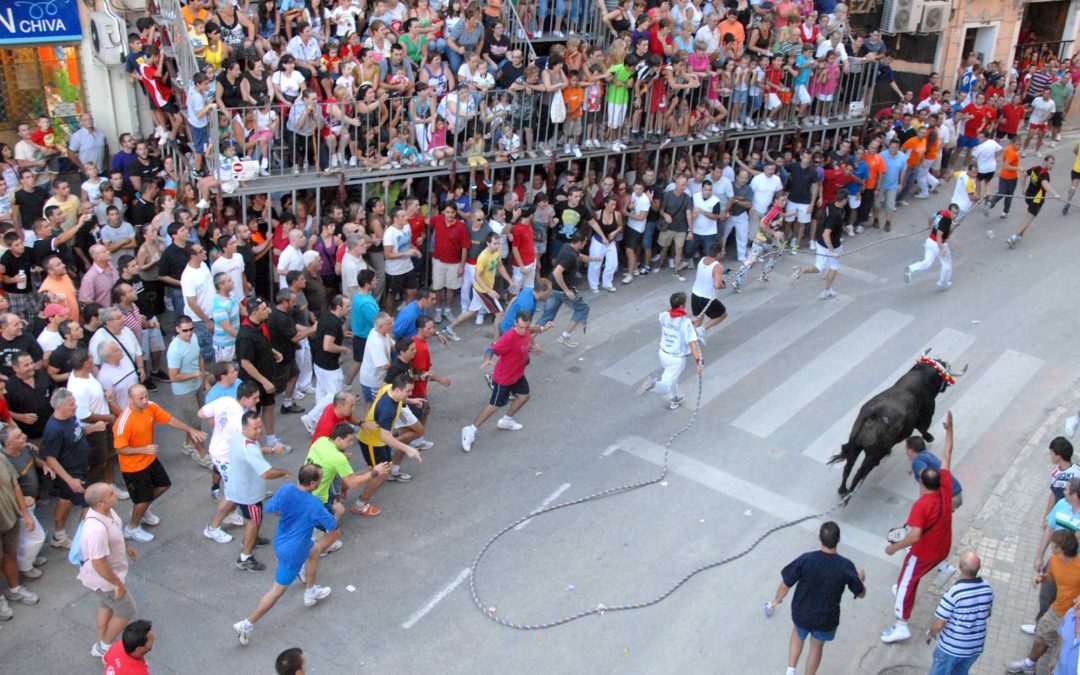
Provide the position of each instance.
(55, 309)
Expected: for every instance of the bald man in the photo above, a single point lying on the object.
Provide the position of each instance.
(97, 283)
(960, 620)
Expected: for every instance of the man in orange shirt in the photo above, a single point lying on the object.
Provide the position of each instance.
(732, 25)
(915, 148)
(876, 166)
(1010, 166)
(144, 474)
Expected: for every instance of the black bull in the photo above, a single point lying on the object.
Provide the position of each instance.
(889, 418)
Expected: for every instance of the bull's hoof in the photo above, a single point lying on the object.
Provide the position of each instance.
(928, 437)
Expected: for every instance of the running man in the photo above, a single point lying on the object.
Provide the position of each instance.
(772, 228)
(1010, 168)
(248, 475)
(829, 244)
(301, 511)
(485, 299)
(1075, 181)
(936, 247)
(378, 444)
(678, 339)
(1035, 195)
(508, 377)
(708, 279)
(563, 290)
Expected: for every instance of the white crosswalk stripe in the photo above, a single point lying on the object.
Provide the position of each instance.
(826, 369)
(949, 344)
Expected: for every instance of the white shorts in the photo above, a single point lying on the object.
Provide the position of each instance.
(824, 261)
(524, 277)
(802, 95)
(225, 354)
(853, 201)
(772, 102)
(616, 114)
(824, 97)
(445, 275)
(795, 210)
(406, 418)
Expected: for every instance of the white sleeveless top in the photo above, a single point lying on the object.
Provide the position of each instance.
(703, 280)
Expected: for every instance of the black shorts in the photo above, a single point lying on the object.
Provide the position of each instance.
(376, 454)
(1034, 206)
(715, 309)
(283, 372)
(398, 283)
(252, 512)
(1075, 175)
(1004, 134)
(141, 484)
(989, 175)
(265, 398)
(64, 492)
(1056, 119)
(101, 452)
(500, 393)
(358, 344)
(632, 239)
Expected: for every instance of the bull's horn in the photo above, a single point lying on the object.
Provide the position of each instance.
(926, 352)
(962, 371)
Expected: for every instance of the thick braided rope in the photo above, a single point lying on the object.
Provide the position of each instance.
(491, 612)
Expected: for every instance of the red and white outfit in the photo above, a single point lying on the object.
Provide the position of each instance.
(931, 513)
(676, 334)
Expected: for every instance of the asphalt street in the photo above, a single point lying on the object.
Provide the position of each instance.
(784, 377)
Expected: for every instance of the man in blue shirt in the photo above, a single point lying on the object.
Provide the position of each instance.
(405, 323)
(922, 459)
(525, 301)
(301, 511)
(361, 320)
(891, 180)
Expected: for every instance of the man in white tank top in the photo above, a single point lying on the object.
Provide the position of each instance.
(678, 339)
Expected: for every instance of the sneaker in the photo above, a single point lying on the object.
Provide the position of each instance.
(1071, 425)
(314, 594)
(422, 444)
(368, 510)
(23, 595)
(1020, 666)
(895, 633)
(451, 335)
(567, 341)
(399, 477)
(595, 290)
(121, 493)
(576, 151)
(859, 229)
(700, 331)
(448, 316)
(770, 124)
(558, 34)
(32, 573)
(647, 385)
(202, 205)
(627, 278)
(137, 534)
(1011, 241)
(308, 423)
(907, 275)
(60, 540)
(1027, 628)
(827, 294)
(676, 402)
(217, 534)
(203, 461)
(922, 196)
(479, 319)
(150, 385)
(291, 409)
(243, 631)
(468, 436)
(150, 519)
(903, 203)
(5, 610)
(610, 289)
(508, 424)
(99, 650)
(234, 518)
(947, 284)
(680, 277)
(336, 546)
(1065, 209)
(251, 565)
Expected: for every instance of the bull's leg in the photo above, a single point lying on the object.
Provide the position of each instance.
(925, 421)
(849, 464)
(870, 460)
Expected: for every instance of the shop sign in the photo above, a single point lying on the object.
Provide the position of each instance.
(24, 22)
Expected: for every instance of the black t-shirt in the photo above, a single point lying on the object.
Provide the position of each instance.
(800, 183)
(60, 358)
(331, 325)
(657, 190)
(676, 206)
(141, 212)
(509, 74)
(745, 193)
(1036, 176)
(567, 258)
(31, 205)
(942, 227)
(65, 440)
(43, 248)
(247, 252)
(148, 171)
(570, 219)
(172, 263)
(252, 345)
(9, 348)
(819, 579)
(397, 367)
(22, 398)
(142, 300)
(477, 241)
(834, 223)
(12, 264)
(282, 331)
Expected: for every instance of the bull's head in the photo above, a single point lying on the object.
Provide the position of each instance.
(944, 370)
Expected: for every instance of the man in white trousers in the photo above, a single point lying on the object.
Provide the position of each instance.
(326, 353)
(678, 339)
(936, 247)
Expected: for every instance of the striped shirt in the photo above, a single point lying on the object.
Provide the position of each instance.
(964, 608)
(1038, 82)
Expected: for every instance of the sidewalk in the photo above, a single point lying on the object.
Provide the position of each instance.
(1005, 534)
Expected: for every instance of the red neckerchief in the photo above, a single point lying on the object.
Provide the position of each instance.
(677, 312)
(262, 327)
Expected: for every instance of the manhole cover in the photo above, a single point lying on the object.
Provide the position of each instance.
(903, 670)
(574, 369)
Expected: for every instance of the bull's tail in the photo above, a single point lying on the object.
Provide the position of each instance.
(849, 449)
(842, 455)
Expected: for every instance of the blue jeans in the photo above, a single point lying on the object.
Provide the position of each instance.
(455, 59)
(647, 237)
(700, 243)
(944, 664)
(542, 9)
(555, 301)
(174, 300)
(206, 341)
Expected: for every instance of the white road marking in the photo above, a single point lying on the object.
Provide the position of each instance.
(812, 380)
(981, 405)
(757, 497)
(435, 599)
(544, 504)
(856, 273)
(631, 368)
(949, 344)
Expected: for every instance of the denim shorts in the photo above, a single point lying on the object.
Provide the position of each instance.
(819, 635)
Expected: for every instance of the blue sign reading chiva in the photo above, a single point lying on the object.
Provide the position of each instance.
(37, 21)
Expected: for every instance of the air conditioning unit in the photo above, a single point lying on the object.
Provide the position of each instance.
(107, 38)
(900, 16)
(935, 15)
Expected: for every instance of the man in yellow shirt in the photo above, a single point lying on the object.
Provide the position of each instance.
(1075, 181)
(69, 204)
(485, 299)
(379, 445)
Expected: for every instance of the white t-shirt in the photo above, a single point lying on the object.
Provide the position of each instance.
(703, 225)
(1041, 110)
(49, 340)
(765, 188)
(961, 196)
(234, 267)
(985, 155)
(399, 241)
(197, 282)
(290, 87)
(345, 18)
(350, 268)
(376, 355)
(126, 338)
(291, 260)
(89, 396)
(112, 235)
(226, 435)
(676, 334)
(639, 211)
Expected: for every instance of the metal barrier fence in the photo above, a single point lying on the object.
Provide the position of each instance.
(1037, 52)
(473, 124)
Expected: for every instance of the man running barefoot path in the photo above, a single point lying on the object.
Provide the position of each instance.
(678, 339)
(1035, 196)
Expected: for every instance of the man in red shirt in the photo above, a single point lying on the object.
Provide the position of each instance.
(929, 536)
(341, 409)
(163, 108)
(1010, 117)
(513, 350)
(975, 116)
(834, 180)
(127, 656)
(523, 252)
(448, 259)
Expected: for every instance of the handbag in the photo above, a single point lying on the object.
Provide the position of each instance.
(557, 113)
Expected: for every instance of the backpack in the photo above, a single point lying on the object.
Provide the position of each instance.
(75, 556)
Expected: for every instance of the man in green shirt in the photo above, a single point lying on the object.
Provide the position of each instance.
(617, 98)
(1061, 93)
(329, 453)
